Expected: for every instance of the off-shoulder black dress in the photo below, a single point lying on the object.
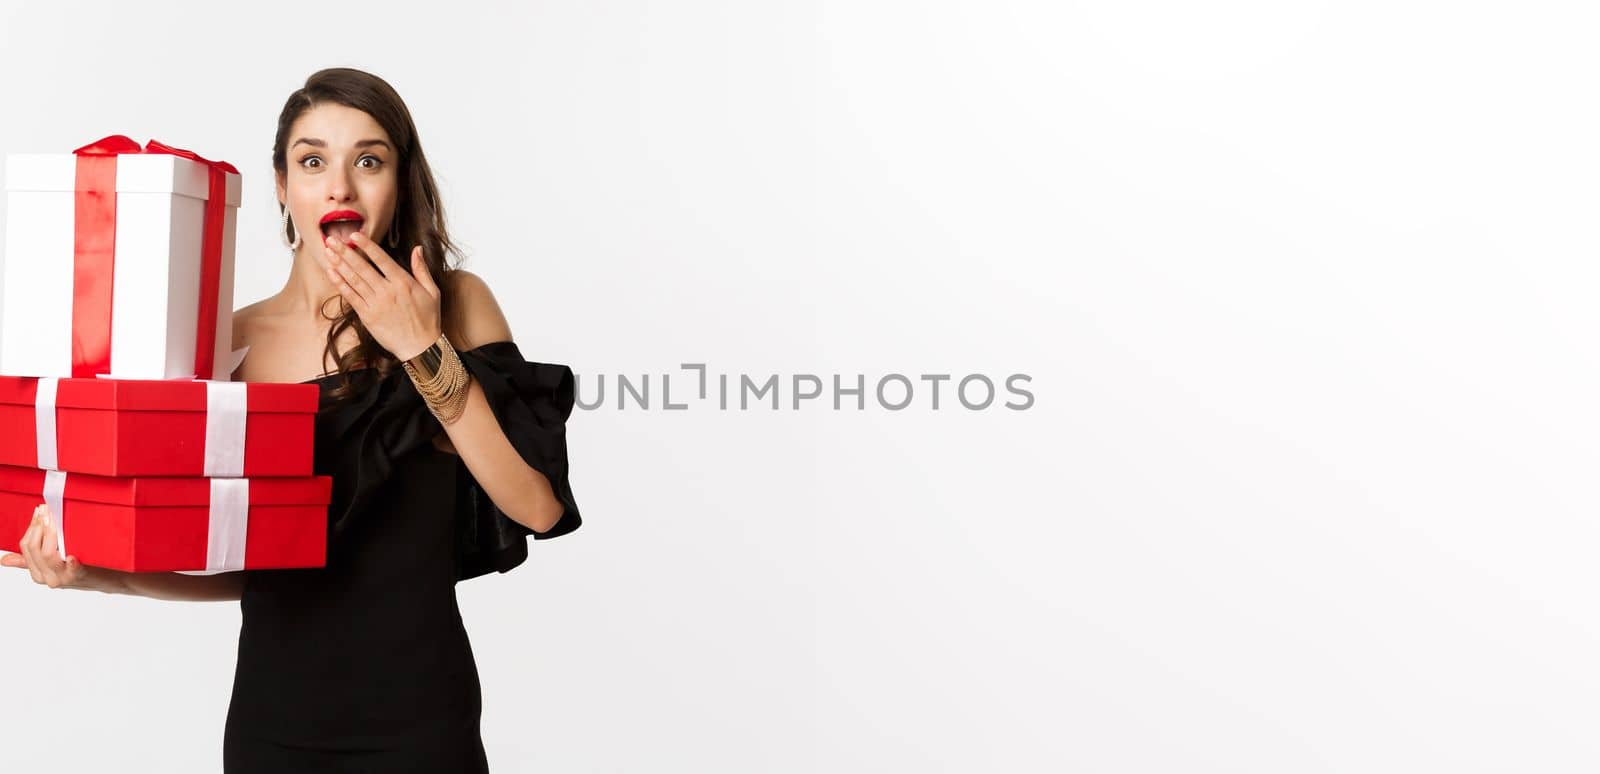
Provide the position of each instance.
(364, 665)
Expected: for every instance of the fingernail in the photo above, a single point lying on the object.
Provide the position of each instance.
(357, 237)
(330, 241)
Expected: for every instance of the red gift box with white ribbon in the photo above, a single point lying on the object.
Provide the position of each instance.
(151, 524)
(134, 427)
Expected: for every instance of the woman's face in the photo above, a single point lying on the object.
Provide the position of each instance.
(339, 160)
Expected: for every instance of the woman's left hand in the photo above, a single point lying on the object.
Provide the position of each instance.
(399, 308)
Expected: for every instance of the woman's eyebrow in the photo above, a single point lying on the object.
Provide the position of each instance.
(312, 141)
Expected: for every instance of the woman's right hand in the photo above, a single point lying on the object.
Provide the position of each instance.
(38, 554)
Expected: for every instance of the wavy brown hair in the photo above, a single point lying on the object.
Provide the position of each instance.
(419, 215)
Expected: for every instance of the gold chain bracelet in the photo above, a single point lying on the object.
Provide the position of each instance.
(441, 379)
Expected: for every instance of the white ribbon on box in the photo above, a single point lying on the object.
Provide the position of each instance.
(55, 486)
(44, 423)
(230, 520)
(224, 463)
(230, 495)
(225, 420)
(55, 482)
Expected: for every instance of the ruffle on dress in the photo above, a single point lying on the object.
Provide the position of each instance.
(359, 440)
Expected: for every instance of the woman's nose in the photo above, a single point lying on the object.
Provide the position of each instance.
(339, 188)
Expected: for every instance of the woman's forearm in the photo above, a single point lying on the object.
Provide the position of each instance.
(172, 586)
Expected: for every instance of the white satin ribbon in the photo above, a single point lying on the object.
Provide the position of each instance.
(55, 486)
(225, 420)
(230, 519)
(44, 423)
(237, 358)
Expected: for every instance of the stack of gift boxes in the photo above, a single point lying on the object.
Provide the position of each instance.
(116, 408)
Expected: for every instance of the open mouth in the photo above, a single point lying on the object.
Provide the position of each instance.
(341, 224)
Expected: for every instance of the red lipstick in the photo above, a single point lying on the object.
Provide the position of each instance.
(341, 215)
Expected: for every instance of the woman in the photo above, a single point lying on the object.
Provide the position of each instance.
(446, 447)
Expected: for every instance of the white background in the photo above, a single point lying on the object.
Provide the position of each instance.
(1305, 291)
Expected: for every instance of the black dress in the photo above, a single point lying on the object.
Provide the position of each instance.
(364, 665)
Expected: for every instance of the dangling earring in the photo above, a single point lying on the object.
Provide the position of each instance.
(283, 232)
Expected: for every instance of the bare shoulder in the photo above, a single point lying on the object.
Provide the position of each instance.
(244, 320)
(474, 317)
(466, 286)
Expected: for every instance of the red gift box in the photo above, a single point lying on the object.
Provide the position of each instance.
(137, 427)
(172, 524)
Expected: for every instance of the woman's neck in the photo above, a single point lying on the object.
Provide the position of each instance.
(308, 288)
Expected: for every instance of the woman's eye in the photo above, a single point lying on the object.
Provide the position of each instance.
(375, 161)
(306, 162)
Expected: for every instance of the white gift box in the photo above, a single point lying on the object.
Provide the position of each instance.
(160, 213)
